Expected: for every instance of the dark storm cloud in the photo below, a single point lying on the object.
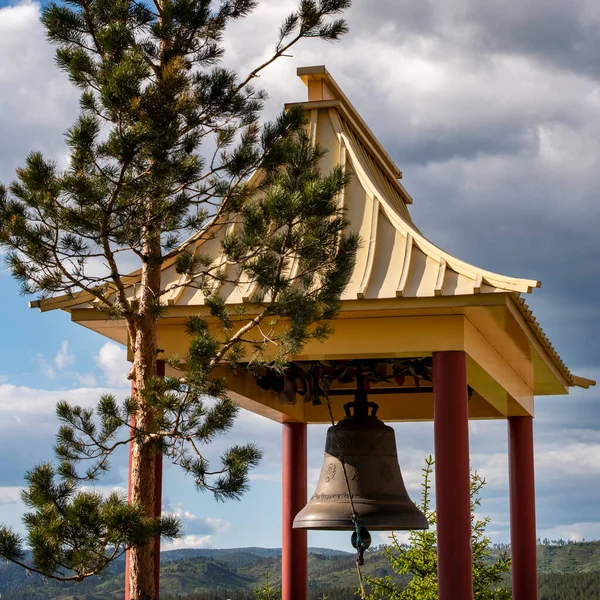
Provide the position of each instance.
(510, 68)
(523, 238)
(579, 410)
(405, 16)
(576, 502)
(563, 34)
(443, 142)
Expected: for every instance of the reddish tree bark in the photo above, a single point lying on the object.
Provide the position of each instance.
(144, 345)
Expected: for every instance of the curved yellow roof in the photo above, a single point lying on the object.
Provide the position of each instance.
(395, 262)
(395, 259)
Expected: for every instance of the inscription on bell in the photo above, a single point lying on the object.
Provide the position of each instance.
(329, 472)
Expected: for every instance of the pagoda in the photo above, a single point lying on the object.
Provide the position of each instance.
(407, 300)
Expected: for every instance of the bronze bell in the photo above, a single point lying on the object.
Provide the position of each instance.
(368, 448)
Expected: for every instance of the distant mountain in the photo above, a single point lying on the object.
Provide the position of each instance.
(209, 574)
(184, 571)
(234, 555)
(569, 558)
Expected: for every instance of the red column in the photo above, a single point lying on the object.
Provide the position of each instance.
(451, 434)
(158, 468)
(294, 543)
(522, 508)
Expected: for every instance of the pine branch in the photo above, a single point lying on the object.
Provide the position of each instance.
(108, 253)
(74, 578)
(152, 94)
(309, 21)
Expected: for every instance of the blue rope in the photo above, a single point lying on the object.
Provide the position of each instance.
(359, 541)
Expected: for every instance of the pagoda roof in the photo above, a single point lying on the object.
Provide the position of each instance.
(397, 267)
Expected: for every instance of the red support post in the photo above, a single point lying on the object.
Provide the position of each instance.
(158, 468)
(522, 508)
(294, 544)
(452, 478)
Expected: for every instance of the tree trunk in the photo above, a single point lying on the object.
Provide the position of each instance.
(144, 346)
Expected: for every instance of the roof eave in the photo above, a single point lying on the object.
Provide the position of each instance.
(582, 382)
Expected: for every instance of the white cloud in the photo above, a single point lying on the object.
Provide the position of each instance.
(37, 102)
(86, 379)
(46, 367)
(112, 360)
(218, 525)
(64, 358)
(192, 524)
(10, 495)
(189, 541)
(28, 426)
(105, 490)
(37, 404)
(573, 531)
(492, 466)
(573, 460)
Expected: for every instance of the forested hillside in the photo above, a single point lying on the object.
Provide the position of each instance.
(567, 572)
(569, 586)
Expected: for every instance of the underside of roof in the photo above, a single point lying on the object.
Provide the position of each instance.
(395, 260)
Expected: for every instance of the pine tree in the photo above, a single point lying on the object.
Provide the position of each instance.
(164, 148)
(266, 591)
(419, 558)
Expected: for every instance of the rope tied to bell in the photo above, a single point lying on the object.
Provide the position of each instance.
(359, 539)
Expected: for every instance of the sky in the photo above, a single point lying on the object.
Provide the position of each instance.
(492, 112)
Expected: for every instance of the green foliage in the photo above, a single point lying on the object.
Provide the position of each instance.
(161, 158)
(574, 557)
(419, 557)
(266, 591)
(569, 586)
(295, 250)
(488, 575)
(75, 534)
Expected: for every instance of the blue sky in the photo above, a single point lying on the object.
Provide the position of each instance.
(493, 116)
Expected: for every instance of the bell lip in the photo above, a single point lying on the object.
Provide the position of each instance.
(411, 518)
(349, 526)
